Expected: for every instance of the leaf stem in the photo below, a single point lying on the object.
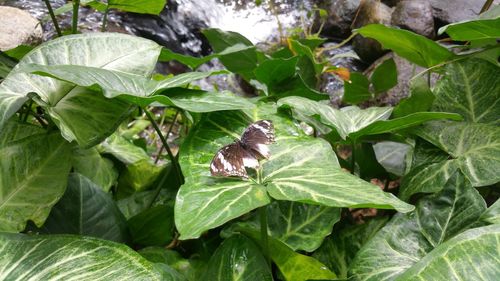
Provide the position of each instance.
(263, 233)
(104, 19)
(353, 156)
(175, 164)
(76, 7)
(321, 50)
(168, 134)
(28, 110)
(159, 186)
(53, 17)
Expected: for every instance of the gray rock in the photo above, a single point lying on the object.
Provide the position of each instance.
(391, 3)
(18, 27)
(340, 16)
(370, 11)
(448, 11)
(414, 15)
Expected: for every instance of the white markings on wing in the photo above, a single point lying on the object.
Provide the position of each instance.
(250, 162)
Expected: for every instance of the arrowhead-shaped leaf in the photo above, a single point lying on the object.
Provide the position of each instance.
(86, 210)
(81, 114)
(300, 169)
(474, 146)
(34, 168)
(437, 218)
(70, 257)
(238, 258)
(89, 163)
(470, 88)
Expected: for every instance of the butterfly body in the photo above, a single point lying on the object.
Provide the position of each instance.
(231, 160)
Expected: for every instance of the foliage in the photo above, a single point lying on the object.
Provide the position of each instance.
(83, 180)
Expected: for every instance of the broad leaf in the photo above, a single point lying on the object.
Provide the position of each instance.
(89, 163)
(427, 178)
(243, 62)
(138, 6)
(139, 201)
(409, 45)
(153, 227)
(476, 147)
(292, 265)
(437, 218)
(301, 226)
(143, 91)
(392, 156)
(81, 114)
(186, 267)
(492, 214)
(86, 210)
(471, 255)
(194, 62)
(123, 150)
(238, 258)
(385, 76)
(295, 172)
(338, 250)
(65, 257)
(478, 29)
(34, 168)
(355, 123)
(470, 88)
(421, 99)
(357, 89)
(273, 71)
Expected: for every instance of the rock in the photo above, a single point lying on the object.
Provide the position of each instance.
(406, 71)
(340, 16)
(370, 11)
(391, 3)
(414, 15)
(448, 11)
(18, 27)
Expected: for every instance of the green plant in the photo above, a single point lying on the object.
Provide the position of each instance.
(75, 163)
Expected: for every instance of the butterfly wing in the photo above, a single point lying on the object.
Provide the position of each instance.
(257, 136)
(231, 160)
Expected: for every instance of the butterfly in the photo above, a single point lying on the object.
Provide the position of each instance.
(231, 160)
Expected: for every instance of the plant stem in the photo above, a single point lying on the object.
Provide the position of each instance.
(263, 233)
(28, 110)
(53, 17)
(104, 20)
(76, 7)
(486, 6)
(175, 164)
(353, 157)
(159, 186)
(168, 134)
(321, 50)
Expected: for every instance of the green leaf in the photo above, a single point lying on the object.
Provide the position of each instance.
(426, 153)
(338, 250)
(89, 163)
(385, 76)
(18, 52)
(437, 218)
(34, 169)
(86, 210)
(144, 91)
(357, 90)
(475, 146)
(470, 88)
(138, 6)
(273, 71)
(294, 172)
(139, 176)
(292, 265)
(153, 227)
(301, 226)
(123, 150)
(139, 201)
(194, 62)
(474, 249)
(492, 214)
(409, 45)
(63, 257)
(186, 267)
(243, 62)
(81, 114)
(427, 178)
(392, 156)
(355, 123)
(420, 100)
(238, 258)
(473, 29)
